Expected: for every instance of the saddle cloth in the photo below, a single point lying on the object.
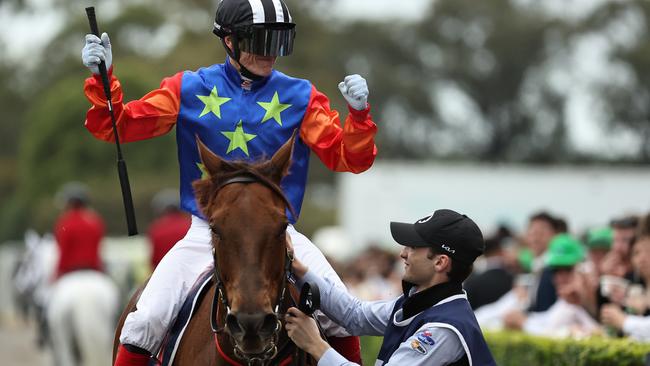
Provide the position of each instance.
(175, 334)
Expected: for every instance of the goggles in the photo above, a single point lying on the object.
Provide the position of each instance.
(265, 40)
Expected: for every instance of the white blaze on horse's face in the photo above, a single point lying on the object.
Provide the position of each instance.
(248, 221)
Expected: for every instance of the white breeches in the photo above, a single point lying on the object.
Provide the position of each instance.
(178, 271)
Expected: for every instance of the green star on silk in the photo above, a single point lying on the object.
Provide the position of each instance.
(212, 103)
(204, 172)
(273, 109)
(238, 139)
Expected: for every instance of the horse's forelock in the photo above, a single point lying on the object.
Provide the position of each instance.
(261, 171)
(204, 190)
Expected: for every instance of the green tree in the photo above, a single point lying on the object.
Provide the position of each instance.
(627, 101)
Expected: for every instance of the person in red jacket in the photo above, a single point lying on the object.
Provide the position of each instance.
(78, 232)
(169, 227)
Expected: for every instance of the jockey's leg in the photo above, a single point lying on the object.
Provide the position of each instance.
(131, 356)
(160, 301)
(348, 347)
(311, 256)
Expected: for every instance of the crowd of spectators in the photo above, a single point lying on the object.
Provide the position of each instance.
(545, 281)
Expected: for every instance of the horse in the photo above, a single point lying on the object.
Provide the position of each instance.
(240, 320)
(79, 309)
(30, 280)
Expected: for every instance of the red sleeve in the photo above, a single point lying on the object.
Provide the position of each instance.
(350, 148)
(152, 115)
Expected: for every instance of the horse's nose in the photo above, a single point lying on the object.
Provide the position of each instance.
(257, 323)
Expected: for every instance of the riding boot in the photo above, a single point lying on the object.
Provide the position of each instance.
(128, 355)
(348, 347)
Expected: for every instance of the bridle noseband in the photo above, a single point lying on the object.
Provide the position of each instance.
(220, 295)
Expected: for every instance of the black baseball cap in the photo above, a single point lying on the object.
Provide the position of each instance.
(445, 230)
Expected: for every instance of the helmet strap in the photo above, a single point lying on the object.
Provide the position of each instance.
(235, 54)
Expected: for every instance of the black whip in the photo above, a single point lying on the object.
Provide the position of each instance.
(121, 164)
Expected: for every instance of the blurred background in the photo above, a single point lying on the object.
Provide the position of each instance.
(495, 108)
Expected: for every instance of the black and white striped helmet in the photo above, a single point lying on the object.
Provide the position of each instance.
(261, 27)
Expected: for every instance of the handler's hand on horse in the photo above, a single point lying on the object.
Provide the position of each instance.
(299, 270)
(355, 91)
(95, 51)
(303, 331)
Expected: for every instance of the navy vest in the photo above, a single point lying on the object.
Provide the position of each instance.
(456, 313)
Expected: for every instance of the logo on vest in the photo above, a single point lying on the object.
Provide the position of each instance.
(415, 344)
(426, 337)
(448, 248)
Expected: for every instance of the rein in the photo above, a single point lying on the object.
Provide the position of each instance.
(221, 298)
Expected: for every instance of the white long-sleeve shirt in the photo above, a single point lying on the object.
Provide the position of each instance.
(561, 320)
(637, 327)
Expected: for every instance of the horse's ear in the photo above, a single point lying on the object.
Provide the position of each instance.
(281, 160)
(212, 162)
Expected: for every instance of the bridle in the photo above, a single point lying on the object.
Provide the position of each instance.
(220, 297)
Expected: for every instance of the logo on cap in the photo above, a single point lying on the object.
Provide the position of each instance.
(425, 219)
(448, 248)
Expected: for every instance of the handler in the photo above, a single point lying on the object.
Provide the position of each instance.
(242, 109)
(432, 323)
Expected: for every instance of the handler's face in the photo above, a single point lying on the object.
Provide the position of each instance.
(418, 267)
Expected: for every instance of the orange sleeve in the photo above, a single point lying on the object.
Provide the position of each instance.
(350, 148)
(152, 115)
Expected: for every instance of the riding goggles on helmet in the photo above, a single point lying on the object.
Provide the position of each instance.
(266, 39)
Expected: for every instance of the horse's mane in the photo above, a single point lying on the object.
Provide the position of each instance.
(206, 188)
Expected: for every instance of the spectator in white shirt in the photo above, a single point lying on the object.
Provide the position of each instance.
(566, 317)
(634, 326)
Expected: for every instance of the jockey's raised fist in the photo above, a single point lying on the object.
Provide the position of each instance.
(355, 91)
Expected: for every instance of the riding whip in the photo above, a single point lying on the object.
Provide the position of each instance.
(121, 164)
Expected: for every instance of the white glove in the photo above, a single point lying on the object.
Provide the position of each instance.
(95, 51)
(355, 91)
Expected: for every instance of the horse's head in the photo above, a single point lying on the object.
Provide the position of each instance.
(246, 211)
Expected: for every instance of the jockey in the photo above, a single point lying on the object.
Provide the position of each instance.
(78, 232)
(241, 109)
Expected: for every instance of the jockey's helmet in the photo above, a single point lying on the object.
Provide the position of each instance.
(260, 27)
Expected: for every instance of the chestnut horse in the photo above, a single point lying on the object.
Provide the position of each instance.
(240, 320)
